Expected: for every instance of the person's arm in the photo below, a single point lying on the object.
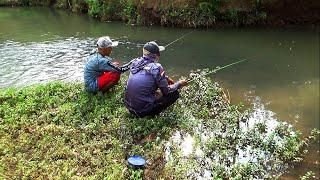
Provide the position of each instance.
(162, 82)
(122, 68)
(170, 81)
(104, 65)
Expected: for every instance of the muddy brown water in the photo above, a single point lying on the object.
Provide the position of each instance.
(40, 45)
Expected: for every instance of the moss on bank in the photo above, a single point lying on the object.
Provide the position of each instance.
(190, 13)
(58, 130)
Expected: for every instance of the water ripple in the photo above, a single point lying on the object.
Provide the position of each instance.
(29, 63)
(60, 59)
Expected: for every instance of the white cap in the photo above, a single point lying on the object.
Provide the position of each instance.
(105, 41)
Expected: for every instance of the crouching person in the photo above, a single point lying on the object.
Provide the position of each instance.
(148, 91)
(100, 73)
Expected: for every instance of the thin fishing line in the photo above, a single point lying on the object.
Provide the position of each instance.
(216, 70)
(179, 38)
(172, 41)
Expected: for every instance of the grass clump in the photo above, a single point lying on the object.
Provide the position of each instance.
(57, 130)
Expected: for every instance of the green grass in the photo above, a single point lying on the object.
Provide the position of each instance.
(57, 130)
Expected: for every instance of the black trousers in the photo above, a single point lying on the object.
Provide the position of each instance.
(161, 104)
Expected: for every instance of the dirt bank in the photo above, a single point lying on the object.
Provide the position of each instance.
(191, 13)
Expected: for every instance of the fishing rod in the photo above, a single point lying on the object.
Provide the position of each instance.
(172, 42)
(184, 35)
(216, 70)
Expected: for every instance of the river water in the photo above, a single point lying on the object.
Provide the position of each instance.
(282, 72)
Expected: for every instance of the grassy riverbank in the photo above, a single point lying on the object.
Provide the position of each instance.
(58, 130)
(191, 13)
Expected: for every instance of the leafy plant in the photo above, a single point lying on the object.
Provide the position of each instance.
(94, 8)
(129, 11)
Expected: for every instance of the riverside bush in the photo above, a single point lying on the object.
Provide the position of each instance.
(201, 13)
(95, 8)
(57, 130)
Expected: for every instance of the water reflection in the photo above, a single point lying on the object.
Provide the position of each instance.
(183, 147)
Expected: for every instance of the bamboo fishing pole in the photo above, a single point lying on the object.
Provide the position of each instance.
(216, 70)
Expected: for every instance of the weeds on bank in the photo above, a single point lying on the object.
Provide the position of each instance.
(195, 14)
(59, 130)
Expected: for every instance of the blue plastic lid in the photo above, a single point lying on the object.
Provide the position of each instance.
(136, 161)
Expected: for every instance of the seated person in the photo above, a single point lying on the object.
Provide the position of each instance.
(100, 73)
(146, 79)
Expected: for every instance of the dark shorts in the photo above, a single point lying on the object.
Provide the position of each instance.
(161, 104)
(108, 79)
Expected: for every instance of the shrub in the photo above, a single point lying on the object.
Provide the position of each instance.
(95, 8)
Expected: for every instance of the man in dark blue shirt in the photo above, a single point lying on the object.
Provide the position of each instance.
(146, 78)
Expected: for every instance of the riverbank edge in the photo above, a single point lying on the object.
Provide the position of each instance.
(59, 130)
(188, 15)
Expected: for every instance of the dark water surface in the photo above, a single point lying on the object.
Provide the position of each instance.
(40, 45)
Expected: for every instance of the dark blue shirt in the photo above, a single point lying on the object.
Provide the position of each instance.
(146, 76)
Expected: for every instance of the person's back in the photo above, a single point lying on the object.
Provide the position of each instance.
(141, 86)
(145, 79)
(94, 69)
(100, 73)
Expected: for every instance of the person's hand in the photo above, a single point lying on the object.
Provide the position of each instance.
(183, 83)
(116, 63)
(170, 81)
